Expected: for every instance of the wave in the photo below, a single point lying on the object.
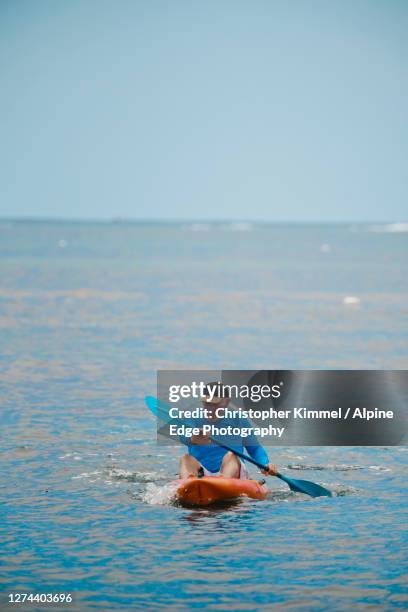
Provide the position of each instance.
(389, 228)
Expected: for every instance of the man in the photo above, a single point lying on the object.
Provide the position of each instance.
(205, 458)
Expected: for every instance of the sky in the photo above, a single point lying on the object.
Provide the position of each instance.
(217, 109)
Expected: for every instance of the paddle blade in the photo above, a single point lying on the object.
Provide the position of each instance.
(305, 486)
(151, 403)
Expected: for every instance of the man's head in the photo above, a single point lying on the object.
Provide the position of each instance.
(215, 396)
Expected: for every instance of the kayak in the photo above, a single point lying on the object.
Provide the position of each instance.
(212, 489)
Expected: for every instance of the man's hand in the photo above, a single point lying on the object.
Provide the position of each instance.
(271, 470)
(200, 439)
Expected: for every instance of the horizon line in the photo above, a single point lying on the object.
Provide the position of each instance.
(119, 219)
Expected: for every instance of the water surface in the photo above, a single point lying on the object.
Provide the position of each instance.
(89, 312)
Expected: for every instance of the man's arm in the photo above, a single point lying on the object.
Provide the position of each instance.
(257, 452)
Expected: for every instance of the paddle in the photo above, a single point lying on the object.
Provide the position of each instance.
(298, 486)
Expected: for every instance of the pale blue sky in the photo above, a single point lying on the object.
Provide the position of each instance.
(278, 111)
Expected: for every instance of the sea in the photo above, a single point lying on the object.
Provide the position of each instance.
(89, 311)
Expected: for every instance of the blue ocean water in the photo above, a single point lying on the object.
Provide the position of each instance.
(90, 311)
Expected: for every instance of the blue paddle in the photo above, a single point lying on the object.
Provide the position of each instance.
(160, 410)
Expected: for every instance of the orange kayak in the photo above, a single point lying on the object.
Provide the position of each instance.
(212, 489)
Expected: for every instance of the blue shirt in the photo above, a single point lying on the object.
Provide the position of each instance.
(211, 455)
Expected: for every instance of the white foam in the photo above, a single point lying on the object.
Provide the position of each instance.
(240, 226)
(86, 475)
(379, 468)
(389, 228)
(351, 299)
(160, 495)
(118, 473)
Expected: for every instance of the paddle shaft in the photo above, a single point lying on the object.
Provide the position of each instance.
(244, 457)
